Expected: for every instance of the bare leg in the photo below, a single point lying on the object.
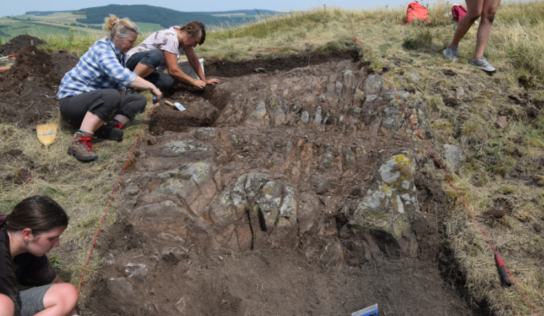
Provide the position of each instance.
(7, 307)
(143, 70)
(121, 119)
(474, 10)
(91, 122)
(60, 300)
(488, 15)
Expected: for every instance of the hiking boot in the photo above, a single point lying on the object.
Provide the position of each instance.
(483, 64)
(110, 131)
(451, 53)
(82, 148)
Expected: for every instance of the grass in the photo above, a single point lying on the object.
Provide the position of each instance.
(494, 157)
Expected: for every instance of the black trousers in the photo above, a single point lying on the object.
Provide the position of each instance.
(152, 58)
(104, 103)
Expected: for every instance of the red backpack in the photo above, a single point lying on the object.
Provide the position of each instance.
(416, 11)
(458, 12)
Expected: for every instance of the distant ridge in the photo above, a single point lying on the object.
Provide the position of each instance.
(162, 16)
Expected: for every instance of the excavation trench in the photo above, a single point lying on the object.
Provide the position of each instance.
(260, 199)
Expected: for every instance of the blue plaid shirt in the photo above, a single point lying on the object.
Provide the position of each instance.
(102, 67)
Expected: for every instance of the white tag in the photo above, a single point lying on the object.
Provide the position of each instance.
(178, 106)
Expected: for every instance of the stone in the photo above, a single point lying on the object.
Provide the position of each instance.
(460, 93)
(305, 117)
(205, 133)
(296, 107)
(180, 147)
(258, 116)
(278, 111)
(173, 255)
(414, 75)
(318, 118)
(132, 190)
(453, 155)
(349, 79)
(338, 88)
(308, 212)
(501, 122)
(373, 84)
(358, 98)
(328, 160)
(371, 97)
(390, 205)
(136, 271)
(192, 183)
(120, 288)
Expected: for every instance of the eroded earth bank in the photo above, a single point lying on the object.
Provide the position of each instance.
(299, 191)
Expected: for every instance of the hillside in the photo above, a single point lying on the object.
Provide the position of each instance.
(89, 20)
(151, 14)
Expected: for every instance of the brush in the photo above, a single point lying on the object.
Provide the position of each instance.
(47, 133)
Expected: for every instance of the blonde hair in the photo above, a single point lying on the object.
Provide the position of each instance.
(121, 27)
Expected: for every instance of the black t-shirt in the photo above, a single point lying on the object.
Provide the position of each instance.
(25, 269)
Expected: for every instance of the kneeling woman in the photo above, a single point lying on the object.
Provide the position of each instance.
(92, 95)
(30, 231)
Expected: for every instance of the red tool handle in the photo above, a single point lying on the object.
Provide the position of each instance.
(12, 55)
(505, 278)
(3, 69)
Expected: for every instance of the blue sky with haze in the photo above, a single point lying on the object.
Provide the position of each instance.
(17, 8)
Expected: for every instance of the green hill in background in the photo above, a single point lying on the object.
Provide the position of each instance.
(163, 16)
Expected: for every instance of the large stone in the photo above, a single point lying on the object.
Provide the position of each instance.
(278, 111)
(259, 116)
(390, 206)
(373, 84)
(176, 148)
(453, 155)
(120, 288)
(271, 205)
(192, 183)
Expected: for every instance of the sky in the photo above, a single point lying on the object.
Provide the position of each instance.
(18, 8)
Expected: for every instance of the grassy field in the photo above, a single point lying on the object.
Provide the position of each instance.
(515, 49)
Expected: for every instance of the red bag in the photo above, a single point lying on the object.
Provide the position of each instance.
(458, 12)
(416, 11)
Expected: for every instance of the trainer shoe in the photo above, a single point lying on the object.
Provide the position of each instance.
(451, 53)
(111, 131)
(82, 148)
(483, 64)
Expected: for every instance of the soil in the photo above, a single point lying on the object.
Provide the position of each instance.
(171, 254)
(227, 68)
(25, 86)
(19, 42)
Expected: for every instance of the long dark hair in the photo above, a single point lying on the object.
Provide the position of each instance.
(39, 213)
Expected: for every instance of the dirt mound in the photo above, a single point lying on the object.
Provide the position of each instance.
(25, 86)
(227, 68)
(19, 42)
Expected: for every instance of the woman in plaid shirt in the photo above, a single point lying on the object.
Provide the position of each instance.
(92, 95)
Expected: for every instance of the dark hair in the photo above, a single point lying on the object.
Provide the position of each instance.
(39, 213)
(194, 29)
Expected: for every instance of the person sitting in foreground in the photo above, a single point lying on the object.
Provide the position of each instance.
(26, 235)
(93, 92)
(485, 9)
(161, 51)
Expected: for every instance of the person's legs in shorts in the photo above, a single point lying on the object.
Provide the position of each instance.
(486, 23)
(48, 300)
(474, 10)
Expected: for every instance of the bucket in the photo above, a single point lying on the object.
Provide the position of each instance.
(188, 70)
